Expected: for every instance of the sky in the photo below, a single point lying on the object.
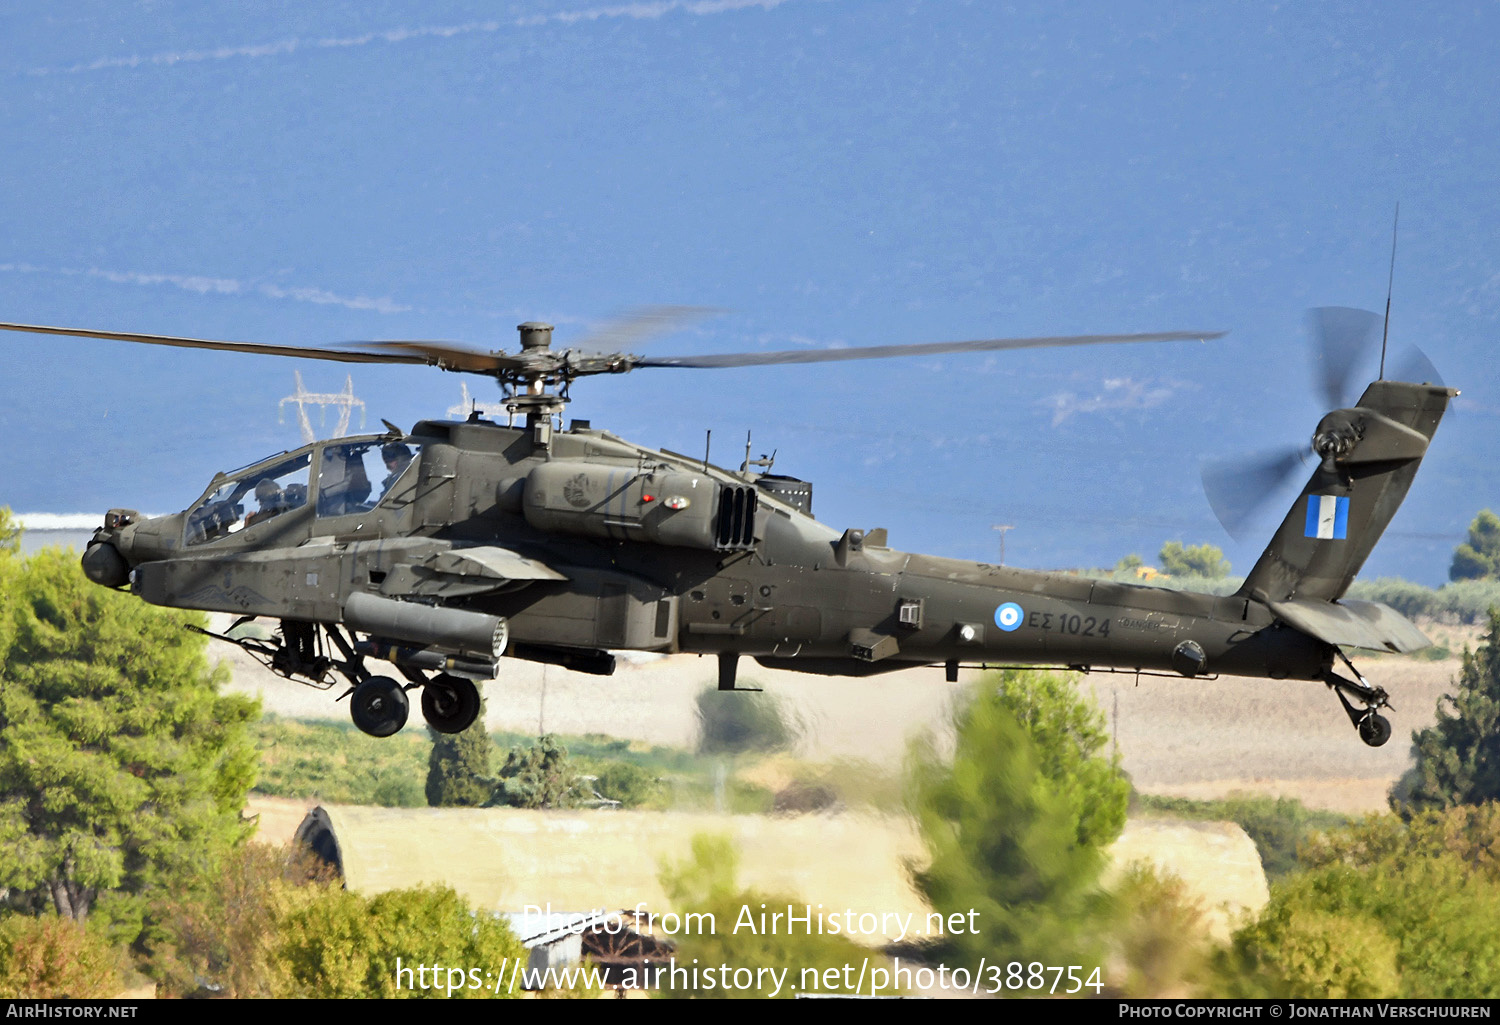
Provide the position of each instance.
(822, 173)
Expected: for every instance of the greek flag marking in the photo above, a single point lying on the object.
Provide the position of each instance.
(1328, 517)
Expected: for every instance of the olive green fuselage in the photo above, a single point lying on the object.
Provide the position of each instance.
(584, 542)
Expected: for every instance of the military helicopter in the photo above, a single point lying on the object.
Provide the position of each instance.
(442, 549)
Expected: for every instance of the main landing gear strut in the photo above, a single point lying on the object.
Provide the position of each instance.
(1374, 728)
(378, 704)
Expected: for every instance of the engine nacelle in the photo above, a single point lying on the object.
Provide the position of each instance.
(626, 503)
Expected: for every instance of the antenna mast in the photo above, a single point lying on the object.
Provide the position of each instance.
(1391, 280)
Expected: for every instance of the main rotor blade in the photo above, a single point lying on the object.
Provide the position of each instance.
(1342, 335)
(299, 352)
(756, 359)
(447, 355)
(639, 325)
(1237, 489)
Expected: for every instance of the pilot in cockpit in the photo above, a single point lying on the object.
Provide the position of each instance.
(397, 458)
(272, 501)
(344, 486)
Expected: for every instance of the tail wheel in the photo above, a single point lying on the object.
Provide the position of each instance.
(378, 706)
(1374, 729)
(450, 704)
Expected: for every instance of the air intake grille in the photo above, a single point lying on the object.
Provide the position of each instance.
(736, 519)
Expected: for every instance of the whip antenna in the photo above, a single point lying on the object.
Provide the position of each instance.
(1391, 280)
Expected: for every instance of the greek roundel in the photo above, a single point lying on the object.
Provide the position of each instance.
(1009, 616)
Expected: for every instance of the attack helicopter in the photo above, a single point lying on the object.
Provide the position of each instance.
(443, 549)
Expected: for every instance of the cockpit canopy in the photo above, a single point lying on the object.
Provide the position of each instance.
(346, 471)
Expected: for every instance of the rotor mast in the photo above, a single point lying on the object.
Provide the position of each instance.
(530, 394)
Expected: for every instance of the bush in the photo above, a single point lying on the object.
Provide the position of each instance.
(1469, 833)
(52, 957)
(1432, 886)
(10, 533)
(1158, 937)
(1411, 600)
(1321, 955)
(219, 932)
(1468, 601)
(631, 785)
(339, 945)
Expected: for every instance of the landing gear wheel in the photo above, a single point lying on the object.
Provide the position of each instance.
(450, 704)
(378, 706)
(1374, 729)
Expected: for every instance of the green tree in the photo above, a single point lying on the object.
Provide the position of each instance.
(539, 776)
(10, 533)
(1193, 560)
(1016, 826)
(339, 944)
(121, 766)
(1458, 757)
(1479, 557)
(458, 769)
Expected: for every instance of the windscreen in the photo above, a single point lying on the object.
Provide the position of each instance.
(250, 498)
(355, 476)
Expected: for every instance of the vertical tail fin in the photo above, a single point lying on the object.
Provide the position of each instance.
(1370, 454)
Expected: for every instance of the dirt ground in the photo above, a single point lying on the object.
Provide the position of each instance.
(1174, 736)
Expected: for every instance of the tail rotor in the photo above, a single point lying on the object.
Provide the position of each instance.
(1344, 343)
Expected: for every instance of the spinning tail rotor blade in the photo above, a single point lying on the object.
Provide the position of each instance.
(1415, 367)
(1341, 335)
(1237, 489)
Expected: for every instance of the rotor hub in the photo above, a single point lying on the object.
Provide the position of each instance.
(1336, 436)
(535, 335)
